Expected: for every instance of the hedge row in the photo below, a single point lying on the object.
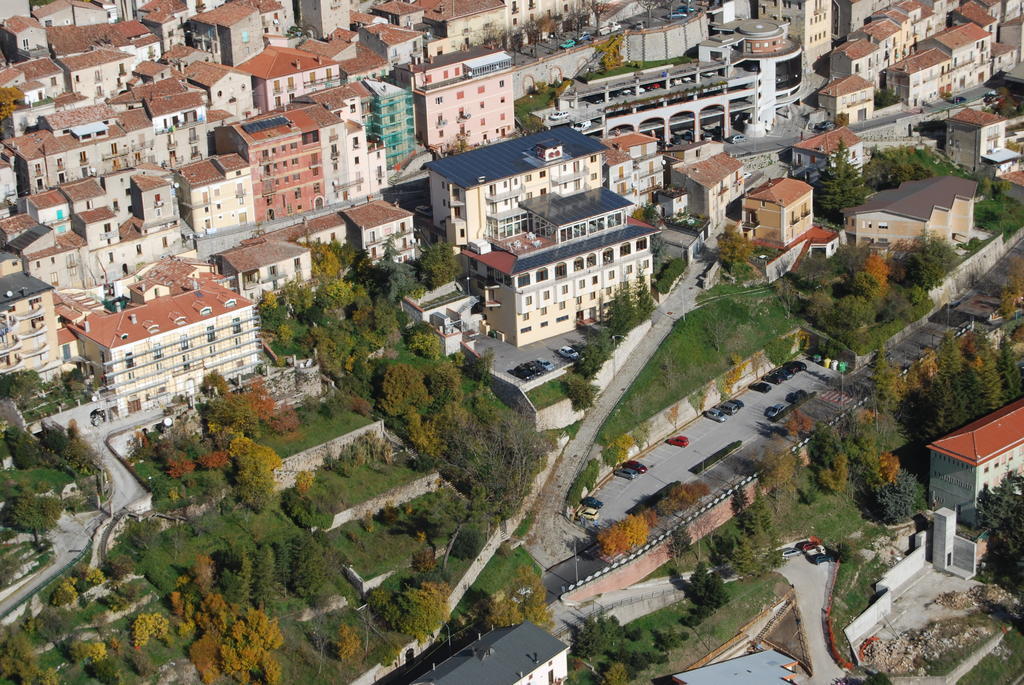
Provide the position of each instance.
(587, 478)
(718, 456)
(667, 275)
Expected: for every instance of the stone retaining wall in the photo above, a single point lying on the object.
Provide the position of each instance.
(665, 42)
(314, 457)
(552, 69)
(394, 497)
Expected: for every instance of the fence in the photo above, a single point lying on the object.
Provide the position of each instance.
(10, 614)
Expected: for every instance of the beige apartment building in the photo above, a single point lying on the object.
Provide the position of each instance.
(810, 25)
(849, 96)
(969, 47)
(922, 77)
(856, 56)
(150, 353)
(260, 265)
(712, 186)
(476, 195)
(460, 26)
(371, 226)
(942, 207)
(28, 324)
(778, 212)
(971, 135)
(633, 166)
(216, 193)
(98, 73)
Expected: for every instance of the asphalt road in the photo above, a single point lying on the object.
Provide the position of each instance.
(809, 582)
(667, 463)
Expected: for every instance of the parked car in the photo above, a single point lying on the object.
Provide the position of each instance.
(525, 371)
(823, 126)
(795, 366)
(545, 365)
(734, 404)
(568, 43)
(790, 553)
(761, 387)
(610, 27)
(808, 543)
(678, 12)
(716, 415)
(582, 125)
(592, 502)
(590, 514)
(959, 100)
(638, 26)
(824, 558)
(736, 138)
(654, 86)
(558, 115)
(814, 551)
(635, 465)
(585, 37)
(786, 373)
(796, 396)
(567, 353)
(628, 474)
(774, 410)
(774, 377)
(679, 441)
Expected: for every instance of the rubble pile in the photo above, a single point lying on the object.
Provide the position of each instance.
(955, 600)
(986, 597)
(909, 653)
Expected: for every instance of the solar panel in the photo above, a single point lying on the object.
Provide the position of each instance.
(264, 124)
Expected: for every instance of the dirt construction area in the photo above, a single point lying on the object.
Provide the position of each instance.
(935, 635)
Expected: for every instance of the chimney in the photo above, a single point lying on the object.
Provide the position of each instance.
(131, 317)
(87, 325)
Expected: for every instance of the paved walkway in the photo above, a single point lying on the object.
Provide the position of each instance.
(809, 582)
(553, 539)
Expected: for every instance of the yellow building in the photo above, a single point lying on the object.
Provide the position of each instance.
(148, 354)
(778, 211)
(810, 24)
(28, 325)
(852, 96)
(216, 193)
(942, 207)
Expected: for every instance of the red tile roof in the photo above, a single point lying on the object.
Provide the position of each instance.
(780, 191)
(94, 58)
(972, 11)
(85, 189)
(38, 68)
(18, 24)
(392, 35)
(846, 85)
(445, 10)
(628, 140)
(713, 170)
(856, 49)
(47, 199)
(211, 170)
(170, 104)
(986, 438)
(827, 143)
(397, 7)
(275, 62)
(959, 36)
(227, 14)
(976, 117)
(208, 73)
(69, 40)
(920, 61)
(258, 252)
(375, 213)
(365, 62)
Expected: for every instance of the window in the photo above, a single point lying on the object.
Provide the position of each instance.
(211, 334)
(129, 360)
(158, 352)
(184, 342)
(523, 280)
(542, 275)
(245, 36)
(236, 325)
(560, 270)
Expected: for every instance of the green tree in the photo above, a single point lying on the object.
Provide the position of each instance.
(597, 635)
(444, 382)
(733, 247)
(423, 609)
(254, 471)
(237, 582)
(898, 500)
(615, 674)
(707, 589)
(1009, 371)
(422, 341)
(1001, 512)
(929, 264)
(309, 570)
(886, 383)
(401, 389)
(33, 513)
(580, 391)
(263, 574)
(842, 185)
(742, 558)
(437, 265)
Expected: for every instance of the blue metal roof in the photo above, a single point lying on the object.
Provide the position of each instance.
(566, 210)
(512, 157)
(581, 246)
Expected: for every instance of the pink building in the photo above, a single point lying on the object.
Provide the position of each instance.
(279, 75)
(462, 99)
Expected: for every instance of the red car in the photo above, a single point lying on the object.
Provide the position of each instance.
(679, 441)
(635, 465)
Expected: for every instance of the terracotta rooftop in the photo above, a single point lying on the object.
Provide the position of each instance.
(392, 35)
(361, 18)
(170, 104)
(94, 58)
(91, 216)
(615, 156)
(143, 91)
(211, 170)
(151, 69)
(275, 62)
(920, 61)
(780, 191)
(160, 315)
(47, 199)
(59, 121)
(149, 182)
(881, 29)
(628, 140)
(846, 85)
(86, 189)
(826, 143)
(959, 36)
(9, 76)
(397, 7)
(62, 242)
(856, 49)
(208, 73)
(972, 11)
(255, 253)
(38, 68)
(334, 48)
(713, 170)
(17, 224)
(227, 14)
(444, 10)
(160, 11)
(302, 230)
(177, 274)
(180, 52)
(17, 24)
(135, 120)
(298, 118)
(986, 438)
(376, 213)
(335, 98)
(365, 61)
(976, 117)
(1002, 49)
(70, 40)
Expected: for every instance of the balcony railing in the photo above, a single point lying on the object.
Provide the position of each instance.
(9, 343)
(37, 311)
(184, 124)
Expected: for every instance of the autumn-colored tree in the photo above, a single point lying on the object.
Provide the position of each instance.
(637, 528)
(682, 496)
(402, 388)
(617, 450)
(623, 535)
(214, 614)
(888, 466)
(64, 594)
(285, 421)
(304, 481)
(93, 576)
(176, 468)
(777, 469)
(525, 599)
(799, 423)
(347, 644)
(9, 101)
(733, 247)
(876, 267)
(204, 654)
(834, 478)
(217, 459)
(615, 674)
(85, 652)
(258, 397)
(424, 435)
(254, 474)
(422, 610)
(203, 572)
(148, 626)
(246, 651)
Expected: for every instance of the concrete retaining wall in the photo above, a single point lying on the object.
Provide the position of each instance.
(553, 68)
(665, 42)
(394, 497)
(778, 267)
(314, 457)
(558, 415)
(968, 272)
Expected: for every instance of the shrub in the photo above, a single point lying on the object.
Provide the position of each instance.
(667, 275)
(581, 392)
(64, 594)
(586, 480)
(617, 450)
(469, 543)
(779, 350)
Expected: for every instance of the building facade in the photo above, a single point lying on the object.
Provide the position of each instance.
(28, 324)
(216, 193)
(391, 119)
(971, 135)
(375, 225)
(851, 97)
(942, 207)
(778, 212)
(260, 265)
(922, 77)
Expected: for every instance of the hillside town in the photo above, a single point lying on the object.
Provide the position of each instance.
(498, 342)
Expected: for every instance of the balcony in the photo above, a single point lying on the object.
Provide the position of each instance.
(506, 194)
(37, 311)
(180, 125)
(9, 343)
(559, 176)
(34, 333)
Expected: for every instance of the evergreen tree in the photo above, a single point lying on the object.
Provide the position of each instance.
(743, 560)
(842, 185)
(887, 394)
(1009, 371)
(309, 570)
(945, 393)
(263, 574)
(988, 379)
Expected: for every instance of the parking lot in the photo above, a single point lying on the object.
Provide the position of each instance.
(667, 463)
(508, 356)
